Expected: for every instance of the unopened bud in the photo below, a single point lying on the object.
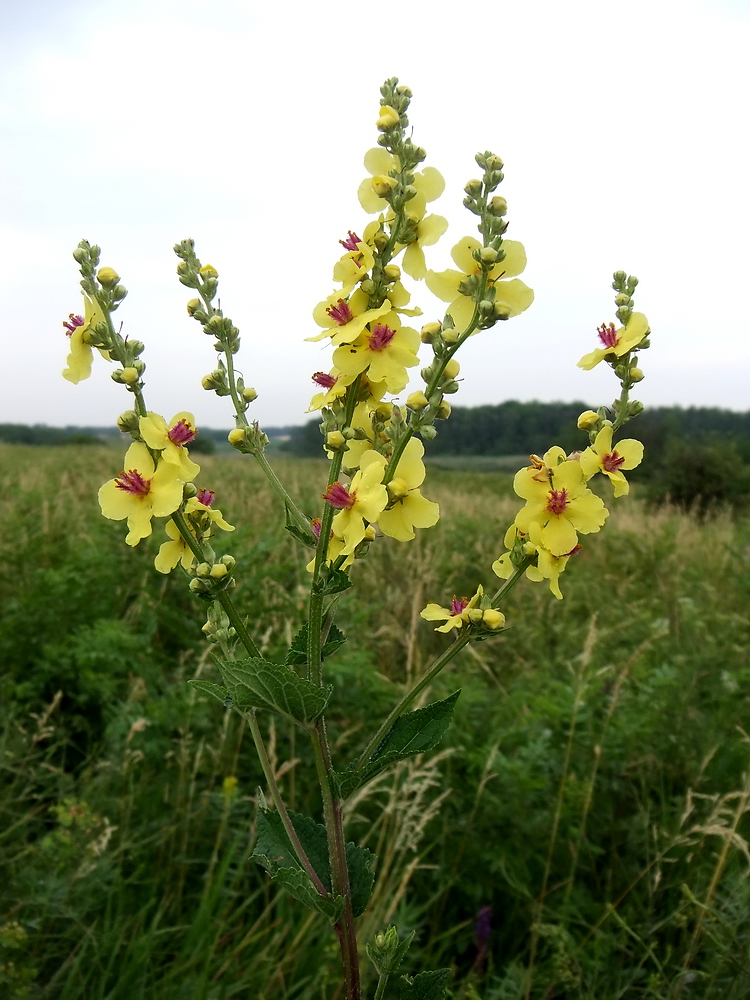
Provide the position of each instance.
(475, 615)
(229, 561)
(198, 586)
(443, 410)
(389, 118)
(636, 375)
(249, 394)
(128, 421)
(493, 619)
(488, 255)
(384, 410)
(486, 308)
(450, 386)
(473, 188)
(192, 305)
(218, 571)
(428, 433)
(189, 490)
(383, 185)
(392, 272)
(587, 420)
(417, 400)
(236, 436)
(501, 311)
(429, 332)
(203, 569)
(450, 335)
(108, 277)
(622, 299)
(335, 439)
(129, 375)
(451, 369)
(498, 206)
(208, 272)
(398, 488)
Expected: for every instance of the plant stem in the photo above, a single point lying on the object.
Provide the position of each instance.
(382, 983)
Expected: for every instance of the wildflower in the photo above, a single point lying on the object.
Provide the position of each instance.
(558, 501)
(454, 617)
(355, 264)
(513, 294)
(344, 319)
(587, 420)
(617, 342)
(385, 351)
(141, 492)
(428, 183)
(171, 440)
(602, 457)
(80, 356)
(333, 386)
(410, 510)
(428, 231)
(362, 501)
(174, 551)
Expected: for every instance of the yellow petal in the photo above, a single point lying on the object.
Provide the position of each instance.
(444, 284)
(515, 295)
(514, 261)
(462, 254)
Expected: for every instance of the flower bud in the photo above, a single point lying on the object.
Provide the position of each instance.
(392, 272)
(493, 162)
(501, 311)
(335, 439)
(498, 206)
(208, 272)
(429, 332)
(449, 387)
(203, 569)
(450, 335)
(622, 299)
(417, 400)
(384, 410)
(128, 422)
(475, 615)
(108, 277)
(443, 410)
(218, 571)
(473, 188)
(493, 619)
(189, 490)
(451, 369)
(587, 420)
(236, 436)
(486, 308)
(249, 394)
(130, 375)
(198, 586)
(488, 255)
(192, 306)
(229, 561)
(636, 375)
(398, 488)
(383, 185)
(389, 118)
(428, 433)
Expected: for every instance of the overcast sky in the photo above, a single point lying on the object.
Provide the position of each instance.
(132, 124)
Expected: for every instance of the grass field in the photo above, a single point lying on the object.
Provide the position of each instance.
(593, 789)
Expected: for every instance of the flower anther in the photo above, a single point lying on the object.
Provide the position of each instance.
(458, 604)
(206, 497)
(134, 483)
(611, 462)
(182, 433)
(325, 380)
(72, 324)
(340, 313)
(557, 501)
(339, 496)
(380, 337)
(351, 242)
(607, 334)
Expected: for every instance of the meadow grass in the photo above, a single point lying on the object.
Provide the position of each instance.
(593, 789)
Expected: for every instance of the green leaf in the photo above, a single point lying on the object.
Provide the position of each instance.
(298, 650)
(336, 582)
(411, 733)
(306, 537)
(256, 683)
(425, 986)
(297, 883)
(208, 687)
(360, 863)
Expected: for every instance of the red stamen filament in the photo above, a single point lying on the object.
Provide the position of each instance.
(206, 497)
(133, 482)
(558, 501)
(607, 335)
(458, 604)
(340, 313)
(182, 433)
(350, 243)
(381, 337)
(325, 380)
(338, 496)
(73, 324)
(612, 462)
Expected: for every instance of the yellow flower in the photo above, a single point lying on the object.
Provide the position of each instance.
(355, 264)
(385, 351)
(548, 566)
(362, 501)
(174, 551)
(333, 384)
(344, 319)
(602, 457)
(429, 183)
(141, 492)
(513, 294)
(558, 501)
(80, 356)
(454, 617)
(171, 439)
(428, 230)
(617, 342)
(411, 510)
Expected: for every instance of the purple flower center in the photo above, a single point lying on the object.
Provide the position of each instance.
(458, 604)
(182, 433)
(325, 380)
(339, 496)
(133, 482)
(206, 497)
(340, 313)
(607, 334)
(612, 461)
(350, 243)
(558, 501)
(381, 337)
(72, 324)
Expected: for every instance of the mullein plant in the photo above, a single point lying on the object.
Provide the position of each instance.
(373, 493)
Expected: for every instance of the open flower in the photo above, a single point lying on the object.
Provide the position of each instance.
(80, 356)
(560, 504)
(602, 457)
(171, 440)
(363, 500)
(429, 183)
(456, 616)
(428, 231)
(355, 264)
(200, 517)
(509, 291)
(385, 350)
(141, 492)
(344, 319)
(616, 343)
(411, 510)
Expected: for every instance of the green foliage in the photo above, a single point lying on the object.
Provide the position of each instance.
(425, 986)
(256, 683)
(702, 475)
(297, 654)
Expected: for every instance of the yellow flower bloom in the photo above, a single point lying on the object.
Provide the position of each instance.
(513, 294)
(454, 617)
(617, 342)
(200, 517)
(602, 457)
(355, 264)
(80, 356)
(362, 501)
(411, 510)
(385, 351)
(171, 440)
(548, 566)
(428, 182)
(334, 386)
(429, 230)
(344, 319)
(174, 551)
(141, 492)
(558, 501)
